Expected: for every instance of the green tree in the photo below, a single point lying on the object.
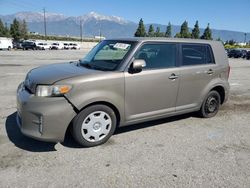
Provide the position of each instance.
(158, 32)
(6, 31)
(207, 35)
(141, 31)
(177, 35)
(169, 30)
(196, 31)
(184, 33)
(15, 30)
(24, 30)
(151, 31)
(2, 29)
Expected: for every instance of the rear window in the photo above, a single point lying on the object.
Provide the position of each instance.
(195, 54)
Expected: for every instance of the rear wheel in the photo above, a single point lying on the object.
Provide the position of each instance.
(210, 105)
(94, 125)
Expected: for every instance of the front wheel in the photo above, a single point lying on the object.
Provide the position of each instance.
(94, 125)
(210, 105)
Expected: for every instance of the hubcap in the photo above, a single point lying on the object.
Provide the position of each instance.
(211, 105)
(96, 126)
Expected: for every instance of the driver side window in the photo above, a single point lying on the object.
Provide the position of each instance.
(157, 56)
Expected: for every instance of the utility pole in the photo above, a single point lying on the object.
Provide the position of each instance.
(100, 33)
(81, 28)
(44, 20)
(245, 39)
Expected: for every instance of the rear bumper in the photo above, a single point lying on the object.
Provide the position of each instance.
(43, 118)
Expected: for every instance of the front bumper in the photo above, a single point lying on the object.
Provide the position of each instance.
(43, 118)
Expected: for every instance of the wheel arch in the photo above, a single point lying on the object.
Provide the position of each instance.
(221, 90)
(109, 104)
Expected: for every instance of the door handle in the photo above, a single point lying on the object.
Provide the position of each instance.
(173, 76)
(210, 71)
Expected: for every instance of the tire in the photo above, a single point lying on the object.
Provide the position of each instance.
(210, 105)
(97, 132)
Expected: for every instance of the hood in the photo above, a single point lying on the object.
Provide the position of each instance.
(49, 74)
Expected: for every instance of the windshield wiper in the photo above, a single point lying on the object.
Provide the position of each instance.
(86, 65)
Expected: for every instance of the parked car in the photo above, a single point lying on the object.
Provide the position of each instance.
(66, 46)
(57, 46)
(5, 43)
(43, 46)
(17, 44)
(248, 55)
(236, 53)
(29, 45)
(75, 46)
(244, 53)
(122, 82)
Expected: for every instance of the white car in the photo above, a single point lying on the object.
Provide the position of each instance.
(74, 46)
(43, 46)
(66, 46)
(57, 46)
(5, 43)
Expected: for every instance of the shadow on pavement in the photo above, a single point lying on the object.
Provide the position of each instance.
(152, 123)
(29, 144)
(23, 142)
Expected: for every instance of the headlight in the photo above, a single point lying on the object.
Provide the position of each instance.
(50, 91)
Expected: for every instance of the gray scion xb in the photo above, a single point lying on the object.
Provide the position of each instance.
(122, 82)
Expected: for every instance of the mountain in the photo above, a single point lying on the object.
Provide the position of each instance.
(94, 23)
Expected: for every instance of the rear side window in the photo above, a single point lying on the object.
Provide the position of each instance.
(158, 56)
(195, 54)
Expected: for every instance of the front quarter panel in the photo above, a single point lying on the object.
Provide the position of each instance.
(107, 87)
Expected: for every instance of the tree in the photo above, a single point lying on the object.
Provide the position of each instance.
(207, 35)
(2, 29)
(15, 30)
(151, 31)
(196, 31)
(184, 33)
(177, 35)
(24, 30)
(169, 31)
(6, 31)
(141, 31)
(158, 32)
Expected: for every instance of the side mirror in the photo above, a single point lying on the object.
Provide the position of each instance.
(137, 65)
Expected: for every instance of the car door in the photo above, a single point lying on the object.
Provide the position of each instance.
(153, 91)
(197, 70)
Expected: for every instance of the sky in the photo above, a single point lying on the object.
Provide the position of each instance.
(221, 14)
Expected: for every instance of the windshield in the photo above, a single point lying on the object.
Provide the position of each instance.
(107, 55)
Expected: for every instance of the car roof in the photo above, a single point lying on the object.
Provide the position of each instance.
(159, 39)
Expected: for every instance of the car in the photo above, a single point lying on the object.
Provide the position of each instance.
(75, 46)
(57, 46)
(29, 45)
(122, 82)
(5, 43)
(248, 55)
(66, 46)
(43, 46)
(17, 44)
(244, 53)
(236, 53)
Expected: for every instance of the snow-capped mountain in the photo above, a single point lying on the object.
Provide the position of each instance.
(99, 17)
(94, 23)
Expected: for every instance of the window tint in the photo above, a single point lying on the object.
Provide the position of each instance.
(158, 55)
(193, 54)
